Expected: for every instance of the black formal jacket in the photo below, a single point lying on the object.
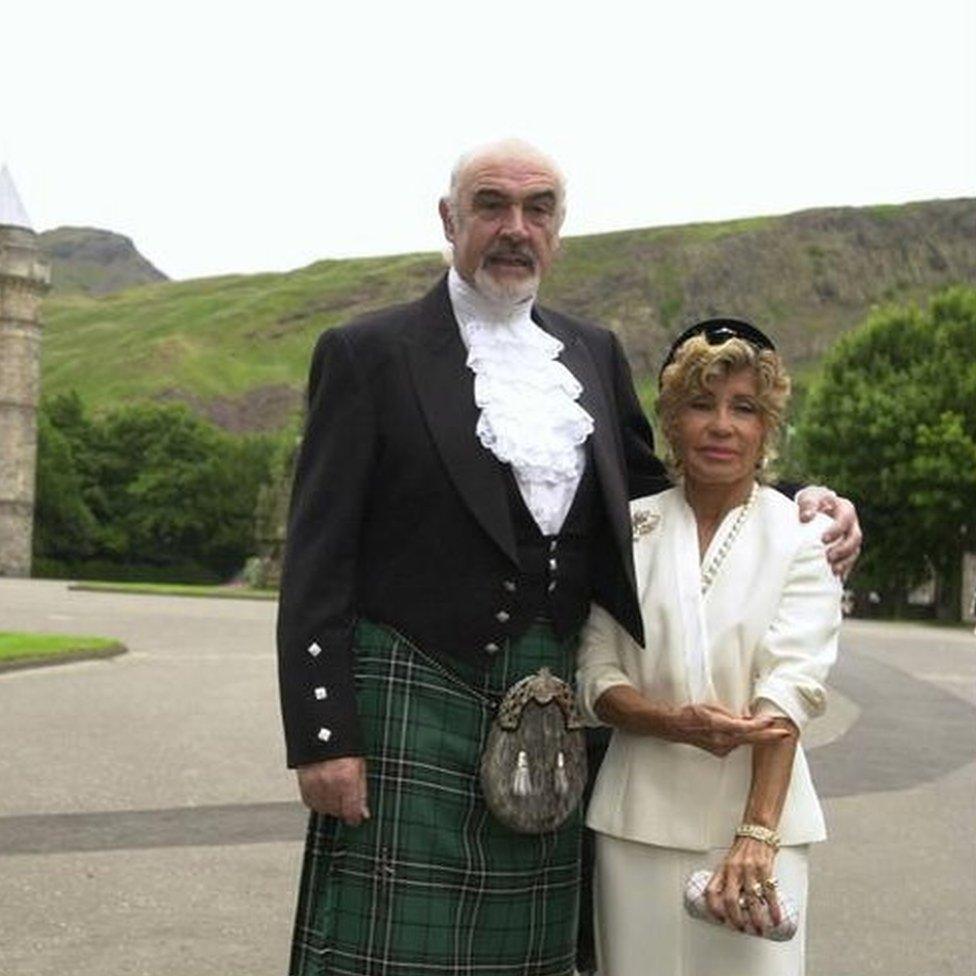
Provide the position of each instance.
(399, 515)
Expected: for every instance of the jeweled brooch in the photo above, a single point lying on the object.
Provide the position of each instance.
(643, 523)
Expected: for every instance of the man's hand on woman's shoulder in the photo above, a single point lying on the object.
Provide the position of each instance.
(843, 538)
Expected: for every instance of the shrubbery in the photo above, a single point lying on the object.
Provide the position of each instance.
(891, 423)
(147, 491)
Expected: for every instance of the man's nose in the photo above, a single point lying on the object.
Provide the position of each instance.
(514, 225)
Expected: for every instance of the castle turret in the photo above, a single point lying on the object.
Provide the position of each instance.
(25, 276)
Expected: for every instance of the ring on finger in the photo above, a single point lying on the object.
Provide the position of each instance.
(771, 884)
(756, 889)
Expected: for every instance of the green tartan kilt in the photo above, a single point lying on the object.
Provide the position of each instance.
(432, 883)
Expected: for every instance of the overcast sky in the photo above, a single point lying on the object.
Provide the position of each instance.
(232, 137)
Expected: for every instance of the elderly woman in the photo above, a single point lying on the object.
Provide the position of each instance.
(741, 614)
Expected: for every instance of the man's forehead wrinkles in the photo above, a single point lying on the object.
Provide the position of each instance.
(509, 170)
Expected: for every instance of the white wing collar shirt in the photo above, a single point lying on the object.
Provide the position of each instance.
(529, 417)
(764, 633)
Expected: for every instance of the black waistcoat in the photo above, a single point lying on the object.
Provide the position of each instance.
(555, 573)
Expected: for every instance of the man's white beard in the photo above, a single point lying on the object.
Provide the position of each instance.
(505, 292)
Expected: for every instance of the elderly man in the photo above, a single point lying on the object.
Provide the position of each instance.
(460, 498)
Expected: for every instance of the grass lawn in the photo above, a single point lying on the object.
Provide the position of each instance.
(179, 589)
(28, 647)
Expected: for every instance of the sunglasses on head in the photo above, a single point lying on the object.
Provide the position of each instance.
(717, 331)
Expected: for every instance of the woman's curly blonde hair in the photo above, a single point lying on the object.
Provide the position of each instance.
(696, 363)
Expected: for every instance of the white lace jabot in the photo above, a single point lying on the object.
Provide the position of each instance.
(529, 415)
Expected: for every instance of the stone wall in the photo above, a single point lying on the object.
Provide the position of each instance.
(24, 277)
(969, 587)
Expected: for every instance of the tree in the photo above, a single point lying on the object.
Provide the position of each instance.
(891, 422)
(177, 488)
(147, 485)
(64, 525)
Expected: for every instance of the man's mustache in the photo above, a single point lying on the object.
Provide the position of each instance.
(511, 253)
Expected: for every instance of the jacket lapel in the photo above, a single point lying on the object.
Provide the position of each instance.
(445, 388)
(577, 358)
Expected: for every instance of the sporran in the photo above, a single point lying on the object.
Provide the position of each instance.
(533, 768)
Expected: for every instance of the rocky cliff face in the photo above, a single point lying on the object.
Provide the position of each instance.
(805, 277)
(96, 262)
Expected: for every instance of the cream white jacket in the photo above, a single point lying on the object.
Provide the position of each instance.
(765, 632)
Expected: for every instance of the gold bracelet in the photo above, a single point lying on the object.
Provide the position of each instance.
(760, 833)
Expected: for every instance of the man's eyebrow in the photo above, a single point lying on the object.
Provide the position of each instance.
(488, 194)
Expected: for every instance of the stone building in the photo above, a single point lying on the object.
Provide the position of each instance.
(969, 587)
(24, 278)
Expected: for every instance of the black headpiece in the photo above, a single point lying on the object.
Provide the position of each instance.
(717, 331)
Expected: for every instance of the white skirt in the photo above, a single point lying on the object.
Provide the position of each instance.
(642, 928)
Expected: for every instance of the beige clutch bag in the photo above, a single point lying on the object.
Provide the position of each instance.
(697, 907)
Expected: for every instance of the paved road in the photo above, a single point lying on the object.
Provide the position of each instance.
(147, 827)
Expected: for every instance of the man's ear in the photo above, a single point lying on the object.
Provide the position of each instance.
(447, 220)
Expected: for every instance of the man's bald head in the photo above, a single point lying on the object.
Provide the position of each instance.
(514, 151)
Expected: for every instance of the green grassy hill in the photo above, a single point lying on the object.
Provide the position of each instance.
(237, 347)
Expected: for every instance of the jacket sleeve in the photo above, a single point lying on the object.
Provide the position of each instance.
(600, 660)
(800, 646)
(317, 609)
(646, 474)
